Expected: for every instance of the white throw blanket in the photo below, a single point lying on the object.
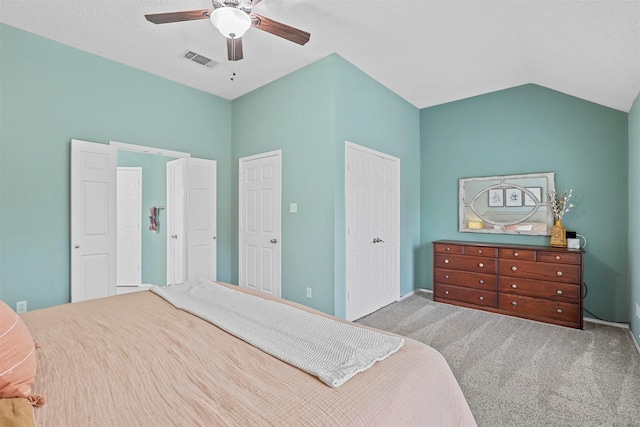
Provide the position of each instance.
(331, 350)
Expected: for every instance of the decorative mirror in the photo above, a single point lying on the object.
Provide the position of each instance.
(507, 204)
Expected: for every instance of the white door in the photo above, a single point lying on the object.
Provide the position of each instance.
(372, 193)
(259, 222)
(129, 208)
(201, 219)
(176, 220)
(93, 220)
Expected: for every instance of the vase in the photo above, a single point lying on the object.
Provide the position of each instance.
(559, 235)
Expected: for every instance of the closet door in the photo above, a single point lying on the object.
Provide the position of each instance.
(176, 221)
(93, 220)
(201, 219)
(372, 192)
(129, 232)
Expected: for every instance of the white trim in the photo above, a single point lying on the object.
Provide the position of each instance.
(606, 322)
(586, 319)
(355, 146)
(262, 156)
(150, 150)
(405, 296)
(635, 341)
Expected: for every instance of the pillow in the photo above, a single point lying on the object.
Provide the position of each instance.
(17, 356)
(16, 412)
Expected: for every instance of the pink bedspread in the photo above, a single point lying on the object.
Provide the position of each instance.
(135, 360)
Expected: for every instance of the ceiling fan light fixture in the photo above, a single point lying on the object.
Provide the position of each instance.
(231, 22)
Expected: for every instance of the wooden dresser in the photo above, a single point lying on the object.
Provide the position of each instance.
(541, 283)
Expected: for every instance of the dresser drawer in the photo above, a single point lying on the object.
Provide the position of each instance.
(443, 248)
(559, 257)
(487, 282)
(467, 295)
(510, 253)
(540, 289)
(481, 251)
(466, 263)
(565, 273)
(540, 308)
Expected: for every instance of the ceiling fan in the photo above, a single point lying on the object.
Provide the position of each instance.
(233, 18)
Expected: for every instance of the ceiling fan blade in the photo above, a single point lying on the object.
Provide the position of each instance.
(281, 30)
(234, 49)
(187, 15)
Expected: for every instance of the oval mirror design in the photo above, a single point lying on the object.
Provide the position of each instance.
(506, 204)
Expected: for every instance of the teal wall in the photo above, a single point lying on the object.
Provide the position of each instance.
(57, 93)
(308, 115)
(328, 103)
(295, 114)
(533, 129)
(154, 193)
(634, 213)
(369, 114)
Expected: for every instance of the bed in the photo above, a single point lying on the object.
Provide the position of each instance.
(136, 360)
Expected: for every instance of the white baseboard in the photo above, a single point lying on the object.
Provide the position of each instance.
(429, 291)
(586, 319)
(635, 340)
(606, 322)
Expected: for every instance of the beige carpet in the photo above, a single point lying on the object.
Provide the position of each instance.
(517, 372)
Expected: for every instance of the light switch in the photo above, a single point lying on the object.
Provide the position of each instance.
(293, 207)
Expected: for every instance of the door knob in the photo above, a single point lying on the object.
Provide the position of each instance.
(76, 246)
(274, 240)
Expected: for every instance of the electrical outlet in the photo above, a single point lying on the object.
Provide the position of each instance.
(21, 307)
(638, 310)
(308, 292)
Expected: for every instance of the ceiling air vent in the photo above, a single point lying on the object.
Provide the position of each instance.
(199, 59)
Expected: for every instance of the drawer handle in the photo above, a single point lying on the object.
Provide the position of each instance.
(446, 276)
(559, 292)
(514, 286)
(448, 249)
(559, 311)
(557, 256)
(479, 251)
(481, 298)
(559, 273)
(446, 292)
(514, 268)
(515, 254)
(446, 261)
(481, 265)
(514, 303)
(481, 282)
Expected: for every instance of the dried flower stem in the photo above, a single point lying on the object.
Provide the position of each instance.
(560, 203)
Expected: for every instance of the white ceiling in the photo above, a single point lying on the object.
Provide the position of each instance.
(428, 52)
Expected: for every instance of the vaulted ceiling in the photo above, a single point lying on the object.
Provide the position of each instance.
(428, 52)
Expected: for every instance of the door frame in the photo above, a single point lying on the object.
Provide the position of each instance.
(278, 247)
(351, 145)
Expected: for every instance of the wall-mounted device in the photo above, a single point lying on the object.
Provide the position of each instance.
(573, 240)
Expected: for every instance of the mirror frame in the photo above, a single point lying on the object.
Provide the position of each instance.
(506, 182)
